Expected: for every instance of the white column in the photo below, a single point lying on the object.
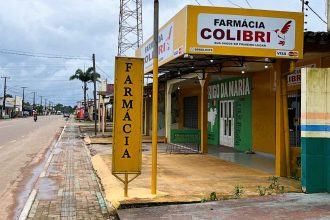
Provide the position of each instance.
(145, 116)
(168, 100)
(168, 107)
(99, 113)
(103, 115)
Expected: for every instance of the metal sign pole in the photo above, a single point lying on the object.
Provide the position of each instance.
(155, 102)
(126, 185)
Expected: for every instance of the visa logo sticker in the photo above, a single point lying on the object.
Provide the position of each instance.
(285, 53)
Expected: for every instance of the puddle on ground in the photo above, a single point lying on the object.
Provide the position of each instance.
(57, 150)
(47, 188)
(32, 175)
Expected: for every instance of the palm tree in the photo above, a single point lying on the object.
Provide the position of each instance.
(85, 77)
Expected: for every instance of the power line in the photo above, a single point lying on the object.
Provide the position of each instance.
(103, 71)
(45, 54)
(42, 55)
(307, 4)
(234, 4)
(210, 2)
(247, 1)
(197, 2)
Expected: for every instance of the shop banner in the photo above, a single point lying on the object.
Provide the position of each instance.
(246, 31)
(295, 78)
(127, 130)
(165, 47)
(229, 89)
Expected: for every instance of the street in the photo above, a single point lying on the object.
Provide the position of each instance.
(23, 145)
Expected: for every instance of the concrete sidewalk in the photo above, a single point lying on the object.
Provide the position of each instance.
(68, 187)
(285, 206)
(184, 178)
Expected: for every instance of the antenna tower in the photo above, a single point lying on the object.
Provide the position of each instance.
(130, 26)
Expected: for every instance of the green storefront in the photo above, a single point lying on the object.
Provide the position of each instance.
(230, 113)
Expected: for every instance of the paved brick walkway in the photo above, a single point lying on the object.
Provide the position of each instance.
(68, 188)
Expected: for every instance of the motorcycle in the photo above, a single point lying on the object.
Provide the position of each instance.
(35, 117)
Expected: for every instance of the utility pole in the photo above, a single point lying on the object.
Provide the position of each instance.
(41, 103)
(23, 87)
(45, 105)
(155, 102)
(94, 80)
(34, 100)
(302, 5)
(4, 94)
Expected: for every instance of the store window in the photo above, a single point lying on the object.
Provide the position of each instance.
(294, 105)
(190, 112)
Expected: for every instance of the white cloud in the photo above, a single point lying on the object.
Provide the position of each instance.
(81, 28)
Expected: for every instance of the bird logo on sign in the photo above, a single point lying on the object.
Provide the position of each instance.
(281, 33)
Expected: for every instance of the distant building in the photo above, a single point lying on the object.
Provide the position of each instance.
(13, 106)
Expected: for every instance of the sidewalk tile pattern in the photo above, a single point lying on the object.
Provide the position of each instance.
(69, 188)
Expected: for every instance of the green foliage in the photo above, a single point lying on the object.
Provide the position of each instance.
(39, 109)
(63, 108)
(212, 197)
(238, 191)
(204, 200)
(274, 185)
(85, 77)
(262, 190)
(273, 188)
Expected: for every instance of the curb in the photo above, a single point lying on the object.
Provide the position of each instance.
(28, 204)
(111, 210)
(26, 209)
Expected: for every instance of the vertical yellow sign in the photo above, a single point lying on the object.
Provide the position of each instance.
(127, 129)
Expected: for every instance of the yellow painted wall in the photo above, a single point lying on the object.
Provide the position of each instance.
(263, 112)
(179, 36)
(305, 62)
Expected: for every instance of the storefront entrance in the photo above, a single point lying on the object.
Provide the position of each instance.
(227, 123)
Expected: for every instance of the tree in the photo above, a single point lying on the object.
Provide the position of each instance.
(64, 108)
(58, 107)
(85, 77)
(39, 109)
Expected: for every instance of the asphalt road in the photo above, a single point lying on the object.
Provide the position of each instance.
(23, 145)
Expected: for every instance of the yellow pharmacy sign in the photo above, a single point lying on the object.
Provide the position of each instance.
(245, 32)
(227, 31)
(127, 130)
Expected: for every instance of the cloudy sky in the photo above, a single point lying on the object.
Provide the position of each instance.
(79, 28)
